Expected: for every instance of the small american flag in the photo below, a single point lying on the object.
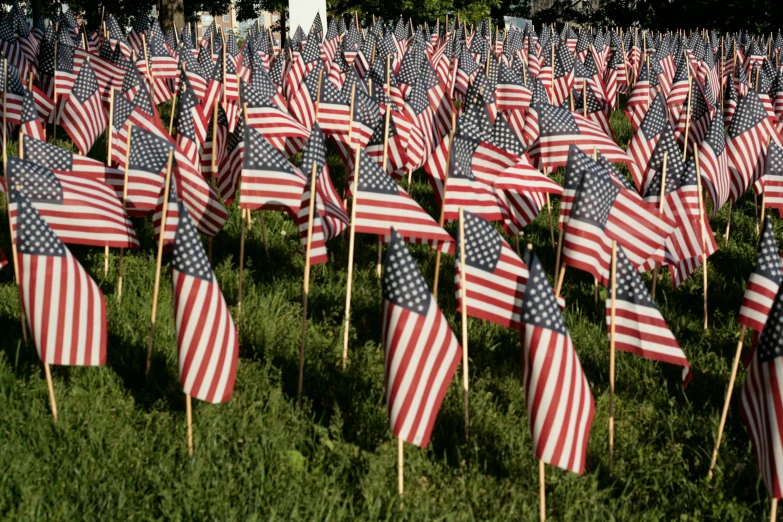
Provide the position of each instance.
(761, 397)
(773, 178)
(282, 131)
(551, 130)
(80, 209)
(641, 96)
(382, 204)
(269, 181)
(83, 117)
(714, 163)
(421, 352)
(645, 140)
(512, 93)
(65, 307)
(764, 282)
(749, 133)
(494, 274)
(553, 378)
(146, 169)
(207, 341)
(602, 209)
(639, 326)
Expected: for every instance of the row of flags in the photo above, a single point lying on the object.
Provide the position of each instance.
(528, 104)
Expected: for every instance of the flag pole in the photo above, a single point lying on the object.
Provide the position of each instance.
(306, 288)
(542, 491)
(108, 162)
(773, 510)
(400, 467)
(704, 232)
(612, 341)
(378, 266)
(727, 401)
(660, 211)
(728, 224)
(442, 218)
(241, 239)
(688, 114)
(464, 311)
(159, 261)
(189, 417)
(54, 90)
(124, 206)
(347, 326)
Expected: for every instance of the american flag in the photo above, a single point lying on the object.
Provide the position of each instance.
(282, 131)
(553, 378)
(65, 307)
(163, 63)
(207, 341)
(730, 100)
(30, 124)
(639, 101)
(700, 117)
(749, 133)
(512, 93)
(773, 178)
(421, 353)
(231, 166)
(714, 163)
(761, 398)
(334, 110)
(563, 75)
(381, 204)
(128, 113)
(466, 69)
(764, 282)
(302, 104)
(645, 140)
(214, 143)
(495, 276)
(172, 217)
(602, 210)
(639, 325)
(83, 117)
(551, 130)
(464, 190)
(682, 83)
(268, 180)
(82, 210)
(596, 110)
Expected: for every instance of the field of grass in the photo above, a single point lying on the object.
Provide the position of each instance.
(119, 449)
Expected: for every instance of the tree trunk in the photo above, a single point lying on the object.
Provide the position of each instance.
(36, 6)
(283, 35)
(172, 12)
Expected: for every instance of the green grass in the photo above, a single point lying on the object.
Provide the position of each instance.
(119, 449)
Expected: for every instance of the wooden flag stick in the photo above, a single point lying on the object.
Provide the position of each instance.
(612, 326)
(108, 162)
(124, 205)
(728, 224)
(584, 98)
(727, 401)
(660, 211)
(159, 261)
(464, 311)
(442, 219)
(703, 225)
(559, 249)
(542, 491)
(243, 213)
(54, 89)
(50, 386)
(306, 287)
(549, 213)
(189, 417)
(688, 114)
(560, 278)
(400, 467)
(351, 240)
(773, 510)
